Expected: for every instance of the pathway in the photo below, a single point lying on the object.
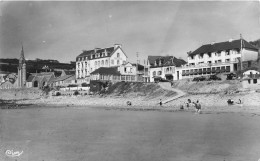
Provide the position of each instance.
(167, 86)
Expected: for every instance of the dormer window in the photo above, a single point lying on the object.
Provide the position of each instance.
(118, 55)
(228, 52)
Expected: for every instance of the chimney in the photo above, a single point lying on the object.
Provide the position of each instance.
(96, 49)
(117, 45)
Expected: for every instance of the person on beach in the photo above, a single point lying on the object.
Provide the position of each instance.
(188, 103)
(160, 102)
(197, 106)
(230, 102)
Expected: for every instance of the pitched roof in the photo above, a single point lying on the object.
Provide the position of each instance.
(30, 78)
(62, 78)
(87, 53)
(106, 71)
(152, 59)
(167, 60)
(227, 45)
(69, 72)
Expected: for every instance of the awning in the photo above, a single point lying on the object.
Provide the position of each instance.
(200, 71)
(208, 70)
(191, 72)
(213, 70)
(157, 77)
(168, 75)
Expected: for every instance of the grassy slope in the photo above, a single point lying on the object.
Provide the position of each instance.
(146, 90)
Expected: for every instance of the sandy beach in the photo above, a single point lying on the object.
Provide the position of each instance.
(77, 133)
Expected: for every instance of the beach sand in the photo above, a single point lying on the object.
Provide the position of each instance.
(92, 133)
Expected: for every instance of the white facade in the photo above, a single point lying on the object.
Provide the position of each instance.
(127, 69)
(88, 63)
(163, 72)
(222, 57)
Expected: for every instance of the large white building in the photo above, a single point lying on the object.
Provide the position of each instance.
(214, 58)
(90, 60)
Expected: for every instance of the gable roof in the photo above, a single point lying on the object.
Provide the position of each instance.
(106, 71)
(227, 45)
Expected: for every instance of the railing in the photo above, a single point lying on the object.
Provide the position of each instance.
(208, 65)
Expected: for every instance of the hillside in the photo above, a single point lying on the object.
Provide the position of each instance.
(33, 66)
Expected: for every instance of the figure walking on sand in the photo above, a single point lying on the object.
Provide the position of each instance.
(160, 102)
(197, 106)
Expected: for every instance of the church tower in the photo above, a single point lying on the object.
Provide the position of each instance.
(22, 70)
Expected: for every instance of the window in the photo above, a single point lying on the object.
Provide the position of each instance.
(254, 81)
(118, 55)
(95, 63)
(209, 62)
(249, 64)
(227, 52)
(219, 61)
(117, 62)
(125, 70)
(112, 62)
(249, 81)
(154, 73)
(102, 62)
(191, 57)
(227, 60)
(209, 54)
(106, 62)
(98, 63)
(159, 72)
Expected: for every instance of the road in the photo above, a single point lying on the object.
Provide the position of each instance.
(80, 133)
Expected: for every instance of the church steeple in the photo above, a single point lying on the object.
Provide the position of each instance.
(22, 59)
(22, 70)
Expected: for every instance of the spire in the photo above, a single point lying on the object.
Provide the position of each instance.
(22, 59)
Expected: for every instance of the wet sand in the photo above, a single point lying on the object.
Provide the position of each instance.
(83, 133)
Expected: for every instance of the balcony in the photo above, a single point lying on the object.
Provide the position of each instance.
(209, 64)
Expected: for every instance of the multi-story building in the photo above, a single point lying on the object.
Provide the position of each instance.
(163, 67)
(214, 58)
(90, 60)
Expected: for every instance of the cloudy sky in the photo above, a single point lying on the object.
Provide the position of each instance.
(61, 30)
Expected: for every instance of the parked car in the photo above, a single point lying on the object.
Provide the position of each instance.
(201, 78)
(231, 76)
(214, 77)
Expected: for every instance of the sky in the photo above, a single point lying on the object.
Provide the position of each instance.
(61, 30)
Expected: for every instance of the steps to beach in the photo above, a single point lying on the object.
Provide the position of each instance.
(167, 86)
